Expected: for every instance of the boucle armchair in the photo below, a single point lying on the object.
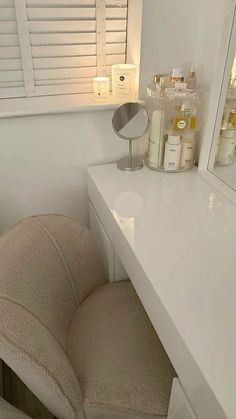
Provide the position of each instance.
(84, 347)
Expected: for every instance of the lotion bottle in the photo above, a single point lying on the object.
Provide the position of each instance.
(156, 142)
(172, 153)
(177, 76)
(187, 150)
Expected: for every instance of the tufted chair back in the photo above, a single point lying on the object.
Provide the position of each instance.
(49, 265)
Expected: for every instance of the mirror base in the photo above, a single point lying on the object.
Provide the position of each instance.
(125, 164)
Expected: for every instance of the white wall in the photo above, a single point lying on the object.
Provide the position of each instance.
(43, 158)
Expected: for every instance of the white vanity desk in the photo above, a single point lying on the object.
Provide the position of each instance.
(176, 237)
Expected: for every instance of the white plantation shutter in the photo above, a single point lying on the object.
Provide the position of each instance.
(11, 74)
(50, 47)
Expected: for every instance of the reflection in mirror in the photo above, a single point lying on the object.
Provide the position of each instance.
(225, 156)
(130, 122)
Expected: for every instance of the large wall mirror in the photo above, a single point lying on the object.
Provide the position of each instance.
(222, 161)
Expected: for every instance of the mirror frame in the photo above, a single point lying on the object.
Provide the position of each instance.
(217, 99)
(128, 104)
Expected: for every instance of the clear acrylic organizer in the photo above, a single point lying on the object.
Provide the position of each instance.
(174, 127)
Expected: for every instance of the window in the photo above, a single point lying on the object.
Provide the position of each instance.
(55, 47)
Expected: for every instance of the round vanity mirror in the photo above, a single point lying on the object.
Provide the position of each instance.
(130, 122)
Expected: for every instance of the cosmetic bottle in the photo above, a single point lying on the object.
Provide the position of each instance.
(156, 146)
(225, 118)
(172, 152)
(187, 150)
(227, 147)
(156, 84)
(191, 79)
(193, 118)
(180, 120)
(177, 76)
(232, 118)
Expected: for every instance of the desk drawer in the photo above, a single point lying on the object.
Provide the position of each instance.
(113, 267)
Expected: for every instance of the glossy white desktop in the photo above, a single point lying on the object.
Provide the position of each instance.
(176, 238)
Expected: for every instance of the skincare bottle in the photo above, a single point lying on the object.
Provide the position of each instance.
(193, 118)
(187, 150)
(180, 120)
(172, 152)
(191, 79)
(177, 76)
(232, 118)
(225, 118)
(156, 145)
(227, 146)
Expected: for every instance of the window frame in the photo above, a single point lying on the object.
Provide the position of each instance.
(81, 102)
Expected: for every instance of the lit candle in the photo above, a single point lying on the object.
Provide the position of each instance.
(101, 88)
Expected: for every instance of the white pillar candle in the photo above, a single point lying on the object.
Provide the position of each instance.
(101, 88)
(123, 81)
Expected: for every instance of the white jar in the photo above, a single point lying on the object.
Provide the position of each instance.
(227, 146)
(177, 76)
(172, 152)
(187, 150)
(123, 81)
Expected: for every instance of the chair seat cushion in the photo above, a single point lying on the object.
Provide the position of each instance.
(119, 360)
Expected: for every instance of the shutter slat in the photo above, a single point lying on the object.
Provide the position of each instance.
(11, 76)
(7, 14)
(9, 52)
(7, 3)
(75, 38)
(8, 27)
(75, 50)
(64, 89)
(74, 26)
(9, 40)
(74, 13)
(10, 65)
(47, 63)
(72, 3)
(12, 92)
(65, 73)
(77, 63)
(64, 81)
(11, 84)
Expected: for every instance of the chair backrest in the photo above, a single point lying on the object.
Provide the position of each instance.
(9, 412)
(49, 265)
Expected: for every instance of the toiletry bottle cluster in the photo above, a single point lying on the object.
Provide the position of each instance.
(173, 108)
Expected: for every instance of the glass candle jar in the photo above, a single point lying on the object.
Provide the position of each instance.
(123, 81)
(101, 88)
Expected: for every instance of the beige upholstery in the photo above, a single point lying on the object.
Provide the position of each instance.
(9, 412)
(85, 348)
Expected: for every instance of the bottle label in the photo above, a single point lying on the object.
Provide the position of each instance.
(181, 124)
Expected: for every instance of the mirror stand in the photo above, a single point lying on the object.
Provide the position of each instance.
(130, 163)
(130, 122)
